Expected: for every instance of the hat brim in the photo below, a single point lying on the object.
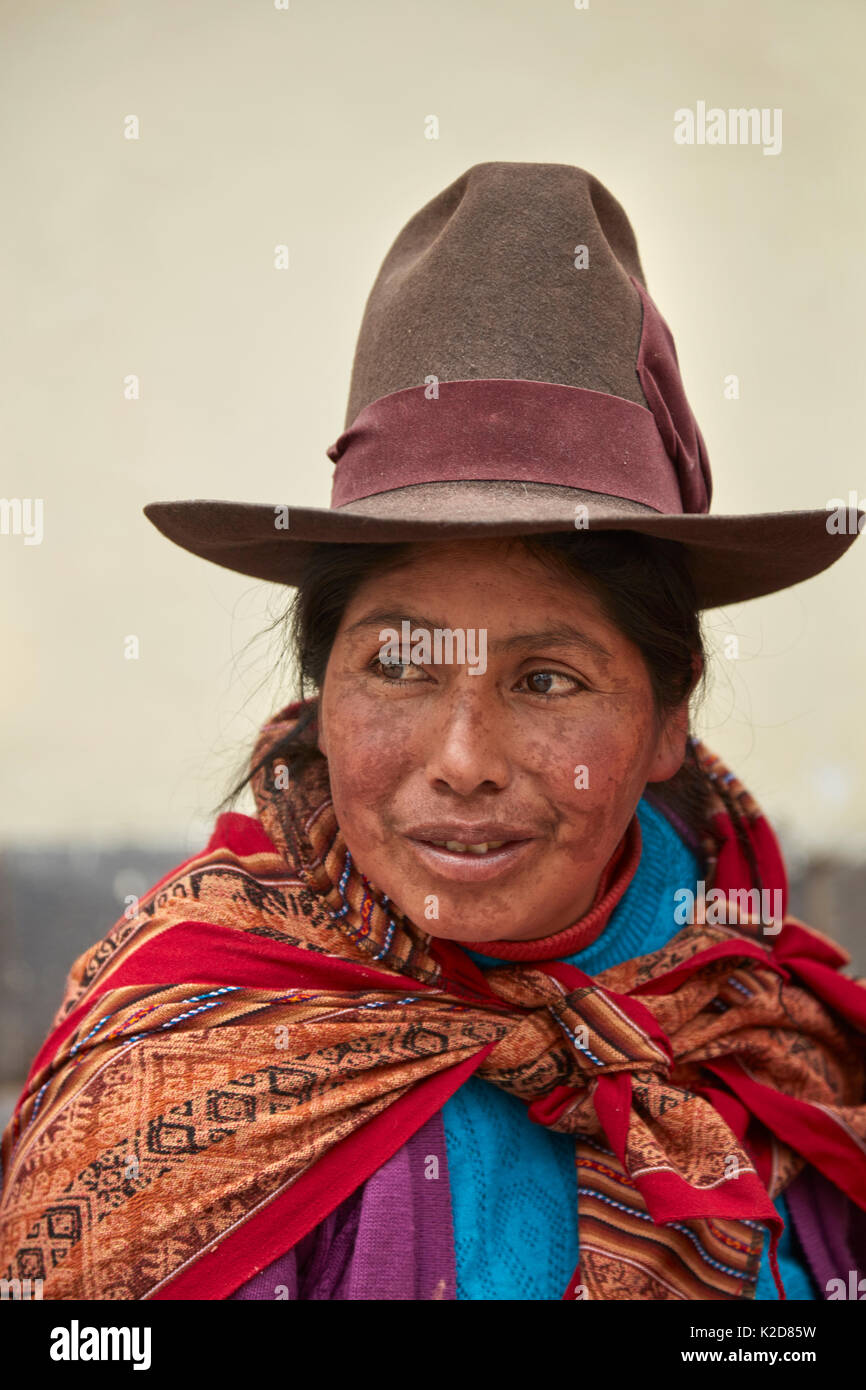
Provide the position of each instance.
(732, 558)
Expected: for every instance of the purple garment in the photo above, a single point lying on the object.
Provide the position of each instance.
(831, 1228)
(393, 1238)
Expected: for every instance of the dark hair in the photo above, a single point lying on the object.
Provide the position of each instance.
(643, 584)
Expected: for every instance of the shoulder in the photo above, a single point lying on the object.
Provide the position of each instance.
(237, 880)
(243, 835)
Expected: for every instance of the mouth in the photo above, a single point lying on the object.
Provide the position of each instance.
(457, 847)
(471, 861)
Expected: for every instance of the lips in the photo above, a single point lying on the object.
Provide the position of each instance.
(471, 852)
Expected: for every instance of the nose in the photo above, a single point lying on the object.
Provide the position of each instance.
(468, 740)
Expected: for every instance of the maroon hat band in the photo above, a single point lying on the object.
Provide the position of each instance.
(522, 431)
(537, 432)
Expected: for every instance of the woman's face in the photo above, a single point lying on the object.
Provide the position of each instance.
(548, 747)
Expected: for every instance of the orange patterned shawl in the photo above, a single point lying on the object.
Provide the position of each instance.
(235, 1059)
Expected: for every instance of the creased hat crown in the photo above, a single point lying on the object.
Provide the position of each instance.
(482, 282)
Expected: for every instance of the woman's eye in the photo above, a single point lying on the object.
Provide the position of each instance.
(541, 683)
(394, 671)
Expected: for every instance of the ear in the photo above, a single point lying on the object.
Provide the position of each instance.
(670, 751)
(671, 743)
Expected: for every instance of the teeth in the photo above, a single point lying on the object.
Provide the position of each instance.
(481, 848)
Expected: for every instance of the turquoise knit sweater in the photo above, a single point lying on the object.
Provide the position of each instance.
(514, 1183)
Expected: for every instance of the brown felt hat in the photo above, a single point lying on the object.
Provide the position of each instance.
(513, 375)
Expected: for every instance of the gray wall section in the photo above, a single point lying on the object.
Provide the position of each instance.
(54, 904)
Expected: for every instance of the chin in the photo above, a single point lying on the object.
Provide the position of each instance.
(460, 932)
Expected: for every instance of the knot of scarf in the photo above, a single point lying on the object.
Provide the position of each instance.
(569, 1036)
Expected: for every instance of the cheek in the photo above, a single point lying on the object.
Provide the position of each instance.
(593, 771)
(363, 756)
(614, 745)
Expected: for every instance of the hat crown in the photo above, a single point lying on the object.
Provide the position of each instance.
(515, 270)
(517, 295)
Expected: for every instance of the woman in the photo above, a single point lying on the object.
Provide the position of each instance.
(496, 995)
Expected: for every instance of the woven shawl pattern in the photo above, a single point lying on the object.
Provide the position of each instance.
(266, 1003)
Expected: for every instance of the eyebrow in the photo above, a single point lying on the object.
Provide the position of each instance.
(558, 635)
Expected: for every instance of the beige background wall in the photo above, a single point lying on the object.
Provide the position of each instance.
(261, 126)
